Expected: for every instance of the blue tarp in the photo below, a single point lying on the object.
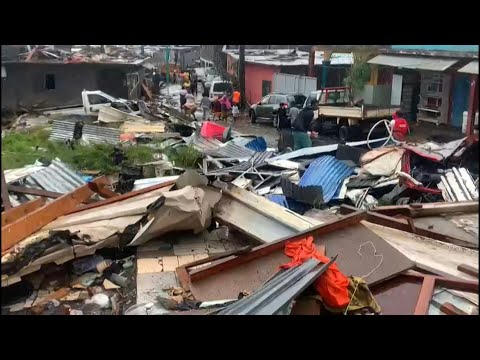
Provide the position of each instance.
(258, 144)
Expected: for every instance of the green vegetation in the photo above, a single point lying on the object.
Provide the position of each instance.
(358, 75)
(23, 148)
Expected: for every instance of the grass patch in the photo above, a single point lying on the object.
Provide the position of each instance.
(23, 148)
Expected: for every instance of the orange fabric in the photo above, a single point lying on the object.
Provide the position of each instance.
(332, 285)
(236, 97)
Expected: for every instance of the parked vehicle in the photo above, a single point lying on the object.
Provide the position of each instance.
(209, 79)
(267, 108)
(93, 101)
(202, 73)
(332, 114)
(220, 87)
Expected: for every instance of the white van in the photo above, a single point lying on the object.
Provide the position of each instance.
(219, 88)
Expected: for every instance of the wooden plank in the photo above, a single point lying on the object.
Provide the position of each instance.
(262, 250)
(33, 191)
(269, 208)
(425, 296)
(103, 191)
(17, 212)
(147, 91)
(340, 111)
(451, 309)
(5, 197)
(430, 209)
(27, 225)
(467, 269)
(408, 226)
(121, 197)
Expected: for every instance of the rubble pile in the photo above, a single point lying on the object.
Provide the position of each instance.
(335, 229)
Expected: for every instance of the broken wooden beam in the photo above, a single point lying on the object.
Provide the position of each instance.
(33, 191)
(9, 216)
(451, 309)
(5, 198)
(120, 197)
(428, 209)
(103, 191)
(467, 269)
(25, 226)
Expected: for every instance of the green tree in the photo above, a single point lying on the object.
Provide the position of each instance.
(358, 75)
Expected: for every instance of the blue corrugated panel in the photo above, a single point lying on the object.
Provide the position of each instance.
(258, 144)
(327, 172)
(291, 204)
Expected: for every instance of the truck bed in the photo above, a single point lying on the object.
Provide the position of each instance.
(354, 112)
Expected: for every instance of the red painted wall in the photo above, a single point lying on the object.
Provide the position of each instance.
(254, 75)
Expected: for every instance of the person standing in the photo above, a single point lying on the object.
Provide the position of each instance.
(206, 105)
(301, 129)
(225, 107)
(285, 127)
(293, 113)
(236, 98)
(399, 126)
(156, 82)
(183, 94)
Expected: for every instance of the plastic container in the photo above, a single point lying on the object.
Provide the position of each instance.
(211, 130)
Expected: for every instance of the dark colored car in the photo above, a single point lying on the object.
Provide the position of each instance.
(267, 107)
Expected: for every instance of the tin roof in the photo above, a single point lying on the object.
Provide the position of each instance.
(470, 68)
(327, 172)
(57, 177)
(286, 57)
(63, 130)
(414, 62)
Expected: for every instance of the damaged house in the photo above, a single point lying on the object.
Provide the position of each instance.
(56, 78)
(263, 66)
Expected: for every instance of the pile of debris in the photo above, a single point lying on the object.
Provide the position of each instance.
(356, 228)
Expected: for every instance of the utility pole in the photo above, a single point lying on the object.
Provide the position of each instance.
(241, 74)
(102, 49)
(167, 69)
(142, 49)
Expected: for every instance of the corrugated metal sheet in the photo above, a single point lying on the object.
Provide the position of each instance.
(14, 175)
(413, 62)
(258, 144)
(57, 177)
(63, 130)
(216, 148)
(328, 173)
(470, 68)
(275, 296)
(457, 185)
(323, 149)
(257, 160)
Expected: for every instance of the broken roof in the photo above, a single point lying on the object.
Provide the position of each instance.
(79, 55)
(286, 57)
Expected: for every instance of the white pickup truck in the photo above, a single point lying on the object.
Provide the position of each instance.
(93, 101)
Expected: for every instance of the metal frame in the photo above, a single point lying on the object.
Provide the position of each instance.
(428, 287)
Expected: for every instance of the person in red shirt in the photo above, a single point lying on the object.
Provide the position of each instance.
(400, 127)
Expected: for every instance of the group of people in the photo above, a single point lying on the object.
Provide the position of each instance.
(220, 107)
(295, 127)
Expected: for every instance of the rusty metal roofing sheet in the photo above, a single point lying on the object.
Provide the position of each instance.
(57, 177)
(327, 172)
(216, 148)
(63, 130)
